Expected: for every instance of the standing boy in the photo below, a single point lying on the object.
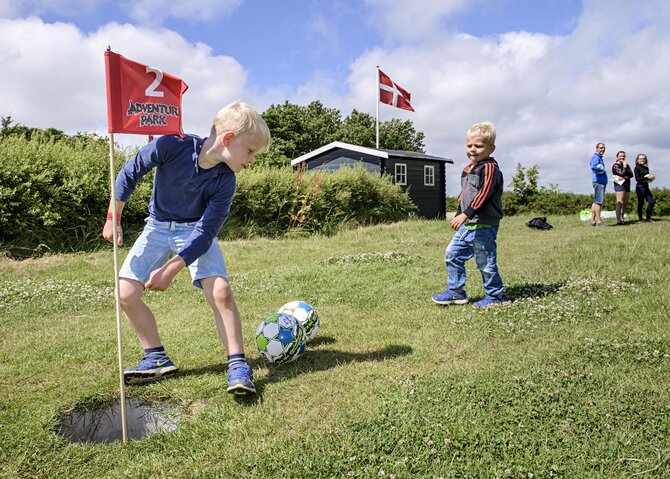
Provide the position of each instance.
(194, 185)
(599, 181)
(476, 222)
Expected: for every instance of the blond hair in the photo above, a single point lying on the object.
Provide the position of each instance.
(241, 119)
(486, 130)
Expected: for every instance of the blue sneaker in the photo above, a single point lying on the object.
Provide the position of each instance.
(240, 379)
(489, 300)
(152, 367)
(450, 297)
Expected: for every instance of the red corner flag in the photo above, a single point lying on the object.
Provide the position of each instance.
(142, 99)
(393, 94)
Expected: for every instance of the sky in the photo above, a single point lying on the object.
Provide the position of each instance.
(555, 76)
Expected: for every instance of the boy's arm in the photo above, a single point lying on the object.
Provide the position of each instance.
(160, 278)
(209, 225)
(108, 229)
(142, 163)
(458, 220)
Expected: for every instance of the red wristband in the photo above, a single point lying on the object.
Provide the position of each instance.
(118, 217)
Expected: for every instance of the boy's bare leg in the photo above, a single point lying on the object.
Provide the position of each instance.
(138, 313)
(229, 326)
(228, 323)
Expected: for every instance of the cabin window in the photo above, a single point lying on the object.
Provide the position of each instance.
(428, 175)
(401, 173)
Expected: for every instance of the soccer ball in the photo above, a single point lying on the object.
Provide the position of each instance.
(305, 314)
(280, 338)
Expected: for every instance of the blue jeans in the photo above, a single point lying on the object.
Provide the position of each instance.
(644, 193)
(481, 244)
(159, 241)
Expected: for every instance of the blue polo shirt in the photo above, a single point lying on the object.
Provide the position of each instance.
(182, 191)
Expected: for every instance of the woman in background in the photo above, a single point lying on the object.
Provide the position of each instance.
(621, 175)
(643, 178)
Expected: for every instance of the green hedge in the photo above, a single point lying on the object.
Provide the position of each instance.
(54, 194)
(549, 202)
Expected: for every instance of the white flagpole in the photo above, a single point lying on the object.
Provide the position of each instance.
(378, 99)
(115, 230)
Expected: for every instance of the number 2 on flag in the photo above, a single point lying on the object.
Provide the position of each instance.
(151, 89)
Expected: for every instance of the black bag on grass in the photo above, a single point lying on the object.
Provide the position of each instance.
(539, 223)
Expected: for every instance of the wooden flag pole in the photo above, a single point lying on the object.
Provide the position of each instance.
(378, 99)
(115, 230)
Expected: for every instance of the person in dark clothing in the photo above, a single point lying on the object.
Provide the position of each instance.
(643, 178)
(621, 175)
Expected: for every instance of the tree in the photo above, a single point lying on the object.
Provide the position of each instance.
(397, 134)
(297, 130)
(358, 129)
(524, 183)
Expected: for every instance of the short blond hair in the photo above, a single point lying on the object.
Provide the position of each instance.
(486, 130)
(241, 119)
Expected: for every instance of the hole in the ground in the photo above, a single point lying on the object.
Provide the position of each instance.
(103, 424)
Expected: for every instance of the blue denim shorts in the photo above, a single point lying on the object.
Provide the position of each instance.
(598, 193)
(159, 242)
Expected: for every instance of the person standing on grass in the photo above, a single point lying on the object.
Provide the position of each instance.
(193, 187)
(599, 181)
(476, 222)
(621, 175)
(642, 190)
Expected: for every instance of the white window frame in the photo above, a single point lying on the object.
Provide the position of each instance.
(428, 175)
(401, 174)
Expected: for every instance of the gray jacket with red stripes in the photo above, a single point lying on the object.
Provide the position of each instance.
(481, 193)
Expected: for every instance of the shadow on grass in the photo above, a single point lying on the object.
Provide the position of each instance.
(324, 359)
(536, 290)
(313, 360)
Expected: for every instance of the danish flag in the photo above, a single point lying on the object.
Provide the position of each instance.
(393, 94)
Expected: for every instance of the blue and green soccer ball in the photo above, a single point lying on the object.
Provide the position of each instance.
(306, 316)
(280, 338)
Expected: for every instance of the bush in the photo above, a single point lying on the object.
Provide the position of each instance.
(272, 202)
(549, 202)
(54, 193)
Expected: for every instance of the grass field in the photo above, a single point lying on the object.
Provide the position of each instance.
(569, 380)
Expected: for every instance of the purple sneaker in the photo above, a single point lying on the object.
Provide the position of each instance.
(489, 300)
(450, 297)
(240, 379)
(152, 367)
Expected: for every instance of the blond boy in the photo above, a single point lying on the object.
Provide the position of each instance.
(194, 184)
(476, 222)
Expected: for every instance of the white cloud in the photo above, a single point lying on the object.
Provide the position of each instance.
(412, 20)
(53, 74)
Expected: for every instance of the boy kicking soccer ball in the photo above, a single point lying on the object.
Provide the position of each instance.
(194, 185)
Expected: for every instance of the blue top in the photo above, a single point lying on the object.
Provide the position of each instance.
(598, 172)
(182, 191)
